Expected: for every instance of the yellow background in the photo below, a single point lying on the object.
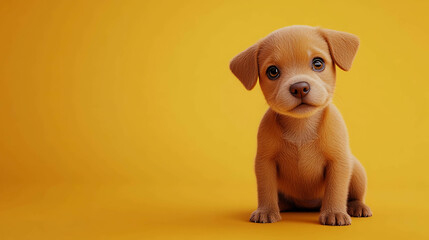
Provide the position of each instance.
(121, 119)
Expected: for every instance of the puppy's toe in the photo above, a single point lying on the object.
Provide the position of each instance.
(358, 209)
(265, 216)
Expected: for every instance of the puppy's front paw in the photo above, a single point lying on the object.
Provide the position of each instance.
(358, 209)
(335, 218)
(265, 216)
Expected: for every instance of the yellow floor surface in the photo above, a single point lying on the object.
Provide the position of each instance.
(129, 212)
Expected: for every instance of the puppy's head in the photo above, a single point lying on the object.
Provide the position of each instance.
(296, 67)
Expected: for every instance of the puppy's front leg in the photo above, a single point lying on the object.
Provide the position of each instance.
(334, 204)
(266, 175)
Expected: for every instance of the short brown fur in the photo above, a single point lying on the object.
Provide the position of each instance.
(303, 159)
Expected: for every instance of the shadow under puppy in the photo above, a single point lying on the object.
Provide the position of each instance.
(303, 159)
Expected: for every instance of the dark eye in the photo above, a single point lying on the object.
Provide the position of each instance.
(318, 64)
(273, 72)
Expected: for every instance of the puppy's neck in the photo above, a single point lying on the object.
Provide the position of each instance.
(299, 131)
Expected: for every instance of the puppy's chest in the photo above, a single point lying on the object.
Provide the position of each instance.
(301, 162)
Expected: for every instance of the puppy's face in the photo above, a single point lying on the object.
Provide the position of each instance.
(296, 67)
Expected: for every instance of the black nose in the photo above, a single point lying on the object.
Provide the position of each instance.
(299, 89)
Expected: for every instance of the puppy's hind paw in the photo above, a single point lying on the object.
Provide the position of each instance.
(265, 216)
(358, 209)
(335, 218)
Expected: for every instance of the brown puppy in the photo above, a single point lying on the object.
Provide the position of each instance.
(303, 159)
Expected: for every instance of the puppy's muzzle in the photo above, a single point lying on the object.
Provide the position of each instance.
(299, 89)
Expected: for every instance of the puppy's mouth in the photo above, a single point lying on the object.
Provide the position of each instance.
(303, 106)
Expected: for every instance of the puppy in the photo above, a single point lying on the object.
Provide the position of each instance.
(303, 160)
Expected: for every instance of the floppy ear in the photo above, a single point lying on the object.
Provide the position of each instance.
(245, 66)
(343, 47)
